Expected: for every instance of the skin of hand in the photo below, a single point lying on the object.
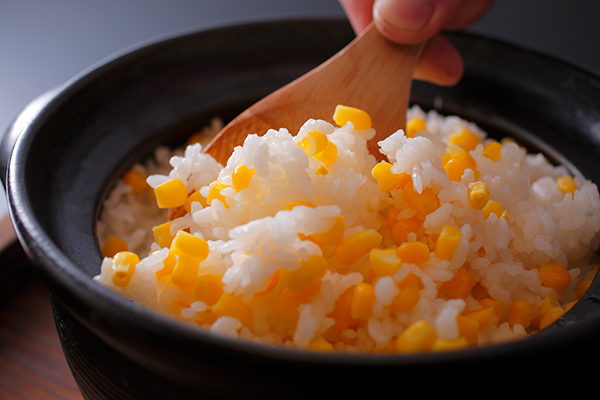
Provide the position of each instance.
(417, 21)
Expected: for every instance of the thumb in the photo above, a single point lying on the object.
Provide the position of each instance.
(413, 21)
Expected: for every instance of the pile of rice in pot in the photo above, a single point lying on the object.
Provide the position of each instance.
(306, 241)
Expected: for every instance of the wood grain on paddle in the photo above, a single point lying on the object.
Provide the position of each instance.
(371, 73)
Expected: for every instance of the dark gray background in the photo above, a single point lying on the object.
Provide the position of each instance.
(43, 43)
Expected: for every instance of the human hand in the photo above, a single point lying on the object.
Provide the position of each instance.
(417, 21)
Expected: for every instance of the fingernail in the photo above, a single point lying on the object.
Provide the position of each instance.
(409, 15)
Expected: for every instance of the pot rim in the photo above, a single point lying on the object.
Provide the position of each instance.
(60, 272)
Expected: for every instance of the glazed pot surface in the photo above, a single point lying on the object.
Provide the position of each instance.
(83, 135)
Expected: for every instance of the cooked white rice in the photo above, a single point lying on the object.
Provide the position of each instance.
(256, 236)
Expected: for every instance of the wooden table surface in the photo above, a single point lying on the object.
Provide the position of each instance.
(32, 364)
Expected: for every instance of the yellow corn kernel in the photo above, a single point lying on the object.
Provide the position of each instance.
(493, 207)
(185, 272)
(455, 169)
(459, 286)
(168, 265)
(136, 180)
(286, 304)
(414, 126)
(321, 171)
(186, 244)
(176, 212)
(455, 151)
(391, 216)
(273, 282)
(425, 202)
(447, 242)
(411, 280)
(413, 252)
(520, 312)
(333, 235)
(493, 151)
(479, 292)
(359, 118)
(284, 310)
(341, 313)
(406, 299)
(547, 304)
(450, 344)
(113, 245)
(314, 142)
(290, 206)
(363, 300)
(241, 177)
(371, 276)
(468, 328)
(385, 177)
(194, 197)
(320, 344)
(431, 239)
(418, 337)
(327, 156)
(582, 288)
(310, 272)
(403, 179)
(214, 192)
(554, 275)
(479, 194)
(403, 227)
(162, 234)
(123, 267)
(551, 316)
(205, 317)
(173, 193)
(384, 262)
(355, 247)
(484, 317)
(566, 184)
(230, 306)
(190, 251)
(209, 288)
(388, 180)
(496, 305)
(465, 139)
(182, 304)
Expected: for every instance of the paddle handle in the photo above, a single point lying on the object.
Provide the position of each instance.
(371, 73)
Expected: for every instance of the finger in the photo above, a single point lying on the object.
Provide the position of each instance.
(359, 13)
(440, 63)
(468, 13)
(413, 21)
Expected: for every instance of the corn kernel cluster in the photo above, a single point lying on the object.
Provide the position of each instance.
(372, 276)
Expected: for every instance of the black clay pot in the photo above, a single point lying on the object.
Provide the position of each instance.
(72, 143)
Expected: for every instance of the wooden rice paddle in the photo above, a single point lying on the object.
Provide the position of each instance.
(371, 73)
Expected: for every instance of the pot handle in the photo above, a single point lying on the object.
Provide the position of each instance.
(14, 130)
